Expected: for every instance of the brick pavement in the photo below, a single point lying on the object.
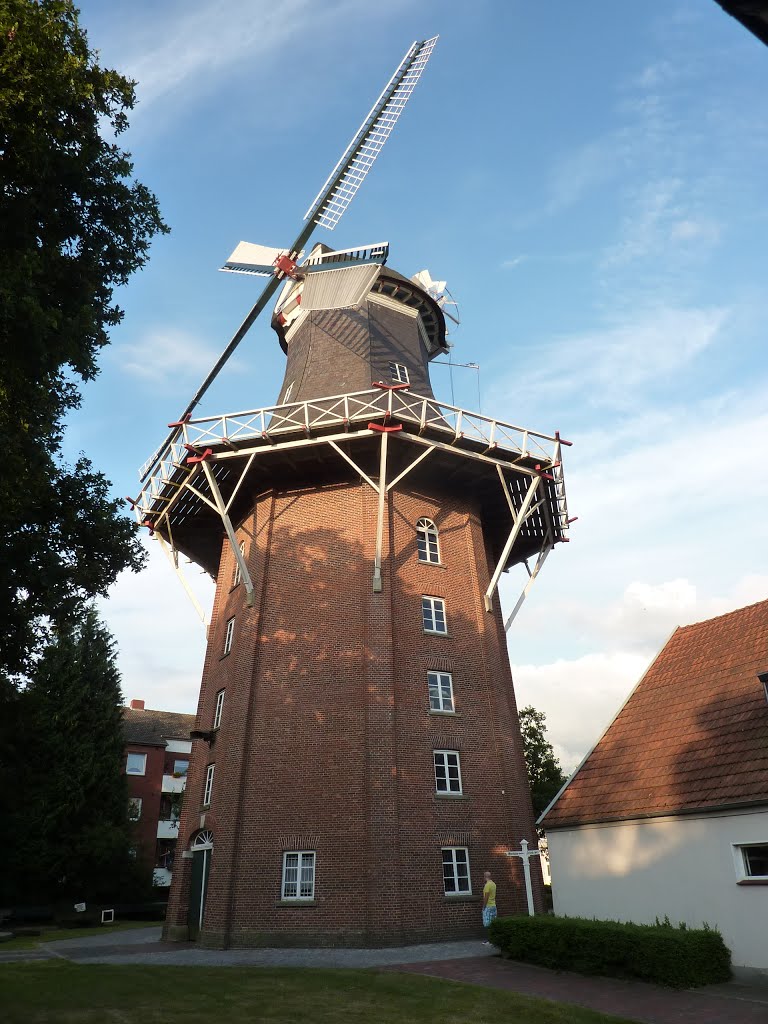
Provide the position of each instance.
(633, 1000)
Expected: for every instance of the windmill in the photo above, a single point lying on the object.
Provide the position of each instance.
(356, 737)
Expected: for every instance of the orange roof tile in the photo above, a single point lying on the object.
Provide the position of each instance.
(693, 734)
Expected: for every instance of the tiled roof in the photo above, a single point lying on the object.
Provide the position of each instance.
(693, 734)
(152, 728)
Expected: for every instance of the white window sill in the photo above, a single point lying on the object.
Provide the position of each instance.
(451, 714)
(451, 796)
(296, 902)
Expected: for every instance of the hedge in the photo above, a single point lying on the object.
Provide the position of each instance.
(680, 957)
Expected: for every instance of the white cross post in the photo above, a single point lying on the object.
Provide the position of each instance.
(525, 855)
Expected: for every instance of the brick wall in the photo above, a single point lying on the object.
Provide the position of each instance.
(148, 788)
(326, 739)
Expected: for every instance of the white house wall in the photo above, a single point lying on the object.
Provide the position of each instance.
(683, 868)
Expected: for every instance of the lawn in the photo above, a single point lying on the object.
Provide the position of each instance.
(55, 992)
(51, 934)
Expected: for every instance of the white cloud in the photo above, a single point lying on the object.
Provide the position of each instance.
(164, 355)
(185, 50)
(705, 232)
(160, 638)
(515, 261)
(578, 696)
(581, 696)
(612, 365)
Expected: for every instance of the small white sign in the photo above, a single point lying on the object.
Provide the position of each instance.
(79, 907)
(107, 916)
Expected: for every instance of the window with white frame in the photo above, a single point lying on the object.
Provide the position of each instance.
(399, 373)
(456, 880)
(440, 691)
(752, 861)
(433, 614)
(208, 791)
(136, 764)
(288, 393)
(219, 709)
(763, 677)
(298, 875)
(229, 635)
(180, 768)
(426, 542)
(447, 771)
(134, 808)
(237, 574)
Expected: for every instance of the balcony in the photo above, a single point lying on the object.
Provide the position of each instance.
(168, 829)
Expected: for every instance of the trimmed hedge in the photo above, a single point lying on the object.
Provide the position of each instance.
(679, 957)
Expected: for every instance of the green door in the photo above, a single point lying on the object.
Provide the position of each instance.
(201, 866)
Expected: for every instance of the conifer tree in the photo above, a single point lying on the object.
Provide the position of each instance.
(70, 828)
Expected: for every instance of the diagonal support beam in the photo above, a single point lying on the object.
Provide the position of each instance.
(172, 555)
(354, 465)
(222, 510)
(522, 515)
(545, 550)
(413, 465)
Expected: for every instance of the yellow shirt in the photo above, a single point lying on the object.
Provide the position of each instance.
(489, 890)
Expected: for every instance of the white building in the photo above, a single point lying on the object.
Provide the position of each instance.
(667, 816)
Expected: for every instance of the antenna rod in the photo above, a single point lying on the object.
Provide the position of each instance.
(335, 195)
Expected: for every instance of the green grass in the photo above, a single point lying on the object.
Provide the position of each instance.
(52, 934)
(55, 992)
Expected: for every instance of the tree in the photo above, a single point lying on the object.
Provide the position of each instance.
(74, 226)
(68, 824)
(545, 776)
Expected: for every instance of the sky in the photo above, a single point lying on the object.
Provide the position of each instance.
(590, 180)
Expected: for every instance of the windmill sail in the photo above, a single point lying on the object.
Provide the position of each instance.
(347, 176)
(337, 193)
(249, 258)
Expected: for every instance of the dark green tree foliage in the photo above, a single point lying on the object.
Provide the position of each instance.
(68, 834)
(73, 226)
(545, 776)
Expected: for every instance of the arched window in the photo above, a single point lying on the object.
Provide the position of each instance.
(426, 541)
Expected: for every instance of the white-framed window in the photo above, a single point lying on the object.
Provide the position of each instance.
(440, 691)
(136, 764)
(456, 880)
(219, 709)
(298, 875)
(433, 614)
(447, 771)
(208, 791)
(237, 574)
(426, 542)
(751, 861)
(180, 768)
(399, 373)
(288, 393)
(229, 635)
(134, 808)
(763, 677)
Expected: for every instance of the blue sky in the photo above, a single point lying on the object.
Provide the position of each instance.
(589, 178)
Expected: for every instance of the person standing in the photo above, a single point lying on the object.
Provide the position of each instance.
(489, 902)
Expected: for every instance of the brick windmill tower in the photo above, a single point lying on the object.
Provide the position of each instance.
(357, 761)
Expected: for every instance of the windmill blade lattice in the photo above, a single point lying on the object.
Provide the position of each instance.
(347, 176)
